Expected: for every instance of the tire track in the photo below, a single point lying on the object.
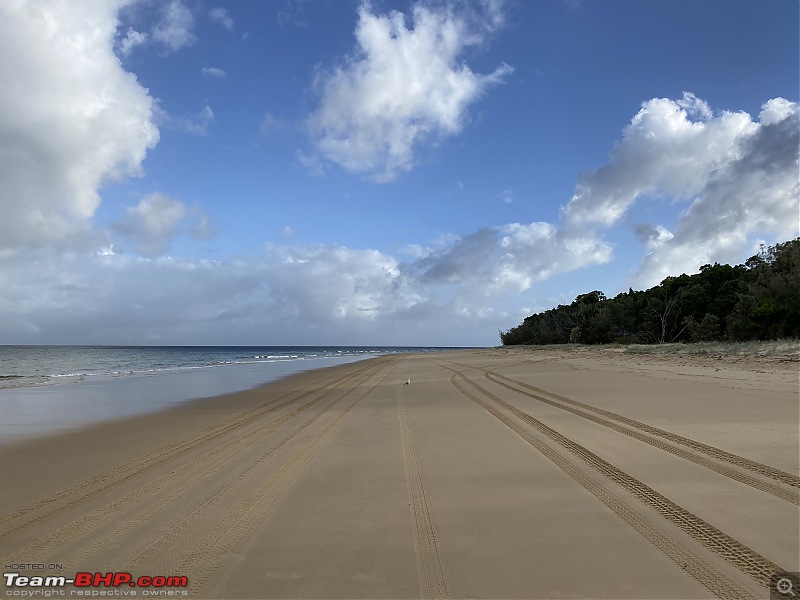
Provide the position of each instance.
(127, 471)
(203, 466)
(704, 573)
(718, 453)
(432, 580)
(148, 548)
(764, 486)
(747, 560)
(203, 561)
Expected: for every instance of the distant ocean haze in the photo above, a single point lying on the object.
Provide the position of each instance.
(52, 388)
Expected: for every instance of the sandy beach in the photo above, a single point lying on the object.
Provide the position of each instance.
(496, 473)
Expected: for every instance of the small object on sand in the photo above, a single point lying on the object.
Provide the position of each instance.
(408, 382)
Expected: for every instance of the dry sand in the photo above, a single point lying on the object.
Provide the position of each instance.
(500, 473)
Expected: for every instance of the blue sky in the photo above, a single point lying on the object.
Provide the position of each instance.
(410, 173)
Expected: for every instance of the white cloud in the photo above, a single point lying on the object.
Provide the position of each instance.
(777, 110)
(652, 237)
(152, 223)
(755, 195)
(131, 40)
(508, 259)
(670, 148)
(415, 250)
(311, 294)
(738, 176)
(73, 120)
(119, 299)
(495, 13)
(157, 219)
(220, 15)
(324, 282)
(213, 72)
(175, 30)
(402, 87)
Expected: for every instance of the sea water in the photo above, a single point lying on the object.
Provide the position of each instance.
(44, 389)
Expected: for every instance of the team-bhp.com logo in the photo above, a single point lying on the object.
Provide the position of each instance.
(152, 585)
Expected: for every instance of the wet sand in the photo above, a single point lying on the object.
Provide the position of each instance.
(498, 473)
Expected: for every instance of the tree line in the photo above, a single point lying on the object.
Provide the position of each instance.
(758, 300)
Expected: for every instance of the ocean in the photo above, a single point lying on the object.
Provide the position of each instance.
(45, 389)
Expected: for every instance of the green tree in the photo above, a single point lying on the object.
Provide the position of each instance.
(757, 300)
(706, 330)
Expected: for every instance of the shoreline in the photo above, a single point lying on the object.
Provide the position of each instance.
(144, 432)
(93, 384)
(324, 483)
(37, 410)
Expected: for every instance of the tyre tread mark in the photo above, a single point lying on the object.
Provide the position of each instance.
(202, 562)
(84, 525)
(747, 560)
(134, 468)
(713, 451)
(704, 573)
(433, 583)
(764, 486)
(147, 548)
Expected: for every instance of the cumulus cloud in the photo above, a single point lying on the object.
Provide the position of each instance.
(652, 237)
(220, 15)
(508, 258)
(756, 194)
(738, 175)
(669, 149)
(326, 282)
(157, 219)
(175, 29)
(152, 223)
(73, 119)
(403, 86)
